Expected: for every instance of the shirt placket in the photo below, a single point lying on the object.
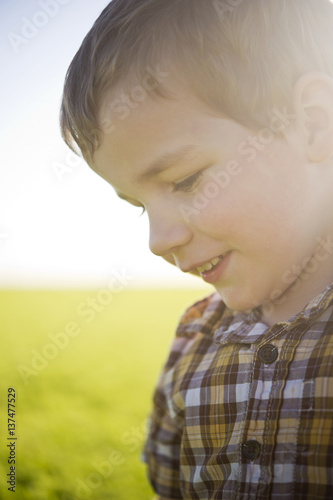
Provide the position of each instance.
(272, 357)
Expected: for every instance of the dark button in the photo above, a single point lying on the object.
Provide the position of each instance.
(251, 449)
(268, 354)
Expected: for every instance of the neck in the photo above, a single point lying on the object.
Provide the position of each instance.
(306, 287)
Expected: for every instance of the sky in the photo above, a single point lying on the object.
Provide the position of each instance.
(60, 224)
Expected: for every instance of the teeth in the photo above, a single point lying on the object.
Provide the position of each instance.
(208, 266)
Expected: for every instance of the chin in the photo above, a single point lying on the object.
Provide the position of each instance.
(236, 300)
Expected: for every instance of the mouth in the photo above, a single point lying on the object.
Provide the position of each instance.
(210, 265)
(207, 266)
(213, 270)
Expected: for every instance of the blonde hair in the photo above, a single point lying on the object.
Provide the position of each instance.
(240, 57)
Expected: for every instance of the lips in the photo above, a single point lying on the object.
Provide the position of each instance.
(215, 272)
(212, 270)
(204, 266)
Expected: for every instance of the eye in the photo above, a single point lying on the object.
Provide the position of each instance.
(187, 184)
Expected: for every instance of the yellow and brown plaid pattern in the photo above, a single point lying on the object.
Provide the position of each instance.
(243, 411)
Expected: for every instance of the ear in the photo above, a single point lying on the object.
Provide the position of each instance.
(313, 101)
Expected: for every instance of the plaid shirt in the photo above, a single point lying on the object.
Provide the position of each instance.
(245, 411)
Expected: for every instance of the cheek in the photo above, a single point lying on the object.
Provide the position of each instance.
(249, 219)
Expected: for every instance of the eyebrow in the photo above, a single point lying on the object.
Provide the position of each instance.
(168, 160)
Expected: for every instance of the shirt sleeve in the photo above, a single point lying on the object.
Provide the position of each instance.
(162, 449)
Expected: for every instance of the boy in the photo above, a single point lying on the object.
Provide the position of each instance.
(216, 117)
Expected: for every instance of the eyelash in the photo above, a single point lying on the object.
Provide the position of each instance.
(187, 184)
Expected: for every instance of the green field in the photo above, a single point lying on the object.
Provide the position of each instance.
(83, 366)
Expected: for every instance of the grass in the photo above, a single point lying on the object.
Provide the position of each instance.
(82, 401)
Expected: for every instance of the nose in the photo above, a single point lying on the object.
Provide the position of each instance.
(168, 232)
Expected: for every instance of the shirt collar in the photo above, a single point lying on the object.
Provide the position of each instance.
(211, 317)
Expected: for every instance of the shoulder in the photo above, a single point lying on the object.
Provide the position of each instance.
(196, 328)
(201, 317)
(194, 341)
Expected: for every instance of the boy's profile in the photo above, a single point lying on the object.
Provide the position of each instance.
(216, 117)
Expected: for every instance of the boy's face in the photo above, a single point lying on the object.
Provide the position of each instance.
(212, 188)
